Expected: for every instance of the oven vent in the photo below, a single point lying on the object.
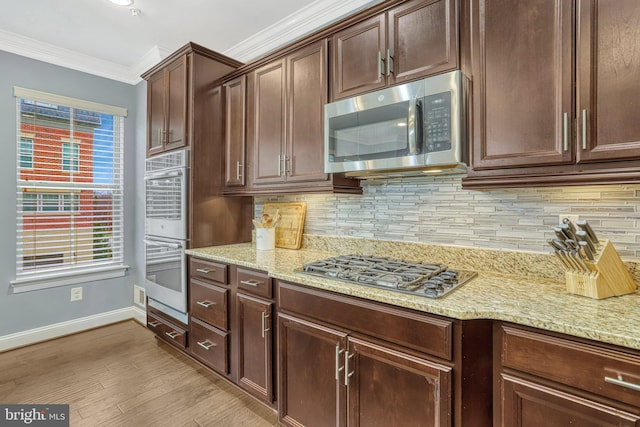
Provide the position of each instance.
(139, 295)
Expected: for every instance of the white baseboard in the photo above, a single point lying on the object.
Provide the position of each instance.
(32, 336)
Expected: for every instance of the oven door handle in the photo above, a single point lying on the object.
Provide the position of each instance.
(164, 244)
(163, 175)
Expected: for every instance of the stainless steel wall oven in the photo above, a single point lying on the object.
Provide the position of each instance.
(166, 194)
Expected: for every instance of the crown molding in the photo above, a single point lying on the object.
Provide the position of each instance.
(52, 54)
(294, 26)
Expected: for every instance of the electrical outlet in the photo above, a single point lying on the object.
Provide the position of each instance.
(573, 218)
(76, 294)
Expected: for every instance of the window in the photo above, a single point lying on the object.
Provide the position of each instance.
(26, 153)
(69, 190)
(70, 157)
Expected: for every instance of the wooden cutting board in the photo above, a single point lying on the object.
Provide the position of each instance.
(289, 229)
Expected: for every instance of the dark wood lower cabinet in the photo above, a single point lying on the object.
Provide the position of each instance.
(255, 337)
(310, 390)
(527, 404)
(387, 387)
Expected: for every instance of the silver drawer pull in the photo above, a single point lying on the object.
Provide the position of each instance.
(206, 346)
(338, 368)
(264, 316)
(203, 270)
(622, 383)
(172, 334)
(205, 303)
(347, 374)
(154, 324)
(250, 283)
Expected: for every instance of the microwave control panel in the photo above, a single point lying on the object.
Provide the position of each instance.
(437, 122)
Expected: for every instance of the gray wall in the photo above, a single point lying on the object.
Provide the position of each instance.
(20, 312)
(439, 211)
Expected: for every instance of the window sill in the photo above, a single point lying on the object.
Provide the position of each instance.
(47, 281)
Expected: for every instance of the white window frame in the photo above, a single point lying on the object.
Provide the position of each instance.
(73, 157)
(24, 281)
(25, 139)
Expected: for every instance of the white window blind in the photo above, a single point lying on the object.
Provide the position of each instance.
(69, 186)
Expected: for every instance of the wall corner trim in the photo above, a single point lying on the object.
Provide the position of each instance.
(57, 330)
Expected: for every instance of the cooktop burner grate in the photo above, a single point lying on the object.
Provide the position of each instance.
(417, 278)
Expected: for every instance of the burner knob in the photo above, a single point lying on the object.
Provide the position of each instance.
(431, 292)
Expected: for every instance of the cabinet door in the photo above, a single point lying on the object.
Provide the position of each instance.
(527, 404)
(235, 165)
(176, 117)
(387, 387)
(155, 113)
(310, 390)
(255, 368)
(268, 123)
(358, 64)
(521, 53)
(608, 92)
(307, 94)
(423, 39)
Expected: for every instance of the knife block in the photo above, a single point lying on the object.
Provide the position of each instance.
(609, 276)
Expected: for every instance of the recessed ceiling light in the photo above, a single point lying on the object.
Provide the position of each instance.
(122, 2)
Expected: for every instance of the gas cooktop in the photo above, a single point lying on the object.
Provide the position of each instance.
(416, 278)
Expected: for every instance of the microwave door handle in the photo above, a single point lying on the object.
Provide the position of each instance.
(163, 175)
(415, 119)
(163, 244)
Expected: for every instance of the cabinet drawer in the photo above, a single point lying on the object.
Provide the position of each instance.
(208, 270)
(427, 334)
(209, 303)
(255, 282)
(599, 370)
(210, 345)
(167, 330)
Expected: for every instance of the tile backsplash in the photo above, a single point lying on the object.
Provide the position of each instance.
(437, 210)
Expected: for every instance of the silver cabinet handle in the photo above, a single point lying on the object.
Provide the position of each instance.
(287, 170)
(380, 64)
(279, 165)
(622, 383)
(160, 136)
(154, 324)
(250, 283)
(264, 316)
(239, 166)
(389, 62)
(172, 334)
(584, 129)
(205, 303)
(565, 138)
(203, 270)
(204, 345)
(338, 368)
(347, 374)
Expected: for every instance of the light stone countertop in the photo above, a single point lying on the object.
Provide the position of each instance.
(537, 302)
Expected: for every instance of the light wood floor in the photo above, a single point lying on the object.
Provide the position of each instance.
(120, 375)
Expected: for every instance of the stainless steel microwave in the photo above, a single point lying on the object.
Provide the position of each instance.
(409, 129)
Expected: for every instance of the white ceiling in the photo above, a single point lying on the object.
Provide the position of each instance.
(101, 38)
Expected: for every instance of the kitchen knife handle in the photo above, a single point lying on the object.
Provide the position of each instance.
(622, 383)
(584, 225)
(583, 236)
(584, 129)
(566, 229)
(588, 253)
(565, 124)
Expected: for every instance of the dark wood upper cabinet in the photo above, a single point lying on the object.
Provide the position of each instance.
(608, 90)
(358, 64)
(522, 73)
(412, 40)
(234, 142)
(555, 97)
(268, 144)
(285, 132)
(167, 111)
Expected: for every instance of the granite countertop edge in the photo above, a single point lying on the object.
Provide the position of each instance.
(542, 304)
